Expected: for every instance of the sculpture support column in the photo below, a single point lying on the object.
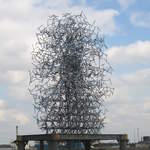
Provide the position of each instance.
(41, 145)
(123, 144)
(123, 140)
(87, 145)
(21, 145)
(52, 145)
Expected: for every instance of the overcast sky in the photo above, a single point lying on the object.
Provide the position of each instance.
(126, 26)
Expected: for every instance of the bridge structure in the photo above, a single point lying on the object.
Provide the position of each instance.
(54, 139)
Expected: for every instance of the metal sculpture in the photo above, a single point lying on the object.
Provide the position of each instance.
(69, 79)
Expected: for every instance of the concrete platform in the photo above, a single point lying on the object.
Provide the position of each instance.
(53, 139)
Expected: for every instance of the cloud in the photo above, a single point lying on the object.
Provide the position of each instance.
(20, 92)
(19, 22)
(10, 117)
(131, 101)
(131, 95)
(139, 79)
(8, 114)
(13, 76)
(1, 115)
(16, 116)
(105, 19)
(140, 19)
(21, 118)
(57, 4)
(2, 104)
(17, 84)
(134, 85)
(133, 53)
(125, 3)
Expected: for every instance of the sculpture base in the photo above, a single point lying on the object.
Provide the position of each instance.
(53, 139)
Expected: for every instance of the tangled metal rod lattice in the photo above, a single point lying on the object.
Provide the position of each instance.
(70, 76)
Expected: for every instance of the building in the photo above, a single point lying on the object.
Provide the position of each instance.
(6, 147)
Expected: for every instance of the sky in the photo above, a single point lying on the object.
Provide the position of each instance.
(126, 28)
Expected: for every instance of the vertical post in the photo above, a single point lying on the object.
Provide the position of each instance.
(16, 131)
(21, 145)
(123, 142)
(52, 145)
(87, 144)
(41, 145)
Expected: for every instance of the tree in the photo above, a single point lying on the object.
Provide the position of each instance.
(69, 79)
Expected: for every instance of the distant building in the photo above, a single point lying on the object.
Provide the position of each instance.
(146, 139)
(6, 147)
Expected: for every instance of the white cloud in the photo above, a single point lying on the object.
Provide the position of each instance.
(18, 15)
(2, 107)
(13, 77)
(21, 118)
(58, 4)
(17, 82)
(134, 85)
(20, 92)
(139, 79)
(137, 52)
(8, 114)
(141, 19)
(147, 106)
(17, 76)
(105, 19)
(12, 115)
(125, 3)
(131, 101)
(2, 104)
(1, 115)
(19, 22)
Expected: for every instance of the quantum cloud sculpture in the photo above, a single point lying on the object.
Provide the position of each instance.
(70, 79)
